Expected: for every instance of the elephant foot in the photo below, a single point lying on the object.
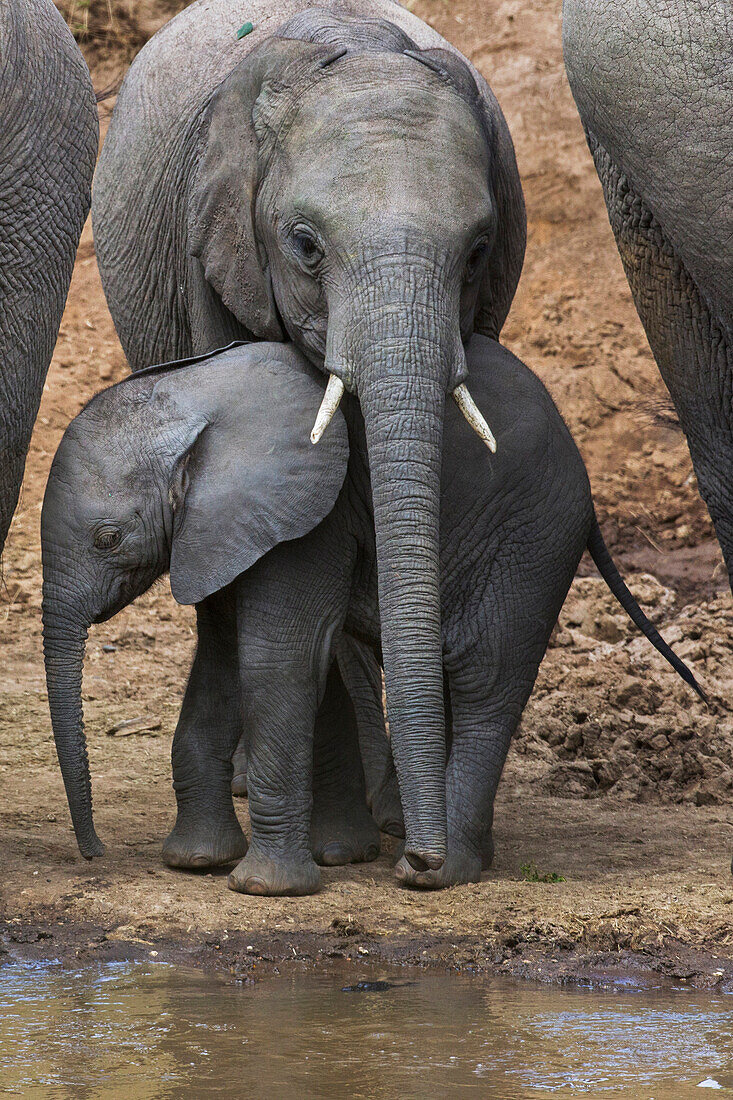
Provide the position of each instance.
(460, 867)
(267, 877)
(239, 784)
(387, 809)
(343, 833)
(195, 846)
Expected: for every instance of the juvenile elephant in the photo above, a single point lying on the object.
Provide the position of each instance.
(654, 86)
(343, 178)
(205, 468)
(48, 145)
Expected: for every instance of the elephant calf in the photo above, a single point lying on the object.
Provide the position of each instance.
(205, 468)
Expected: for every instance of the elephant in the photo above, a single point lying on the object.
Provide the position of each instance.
(653, 85)
(342, 178)
(49, 135)
(204, 468)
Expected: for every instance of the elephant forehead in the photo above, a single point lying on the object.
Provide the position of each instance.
(363, 141)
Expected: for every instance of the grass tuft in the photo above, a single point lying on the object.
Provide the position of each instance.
(530, 873)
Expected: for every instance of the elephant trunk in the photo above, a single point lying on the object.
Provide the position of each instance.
(403, 354)
(64, 637)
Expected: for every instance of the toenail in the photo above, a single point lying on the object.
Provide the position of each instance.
(255, 886)
(336, 854)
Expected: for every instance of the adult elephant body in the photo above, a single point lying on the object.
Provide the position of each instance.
(343, 178)
(48, 145)
(654, 87)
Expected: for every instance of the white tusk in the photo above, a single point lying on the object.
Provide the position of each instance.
(471, 411)
(331, 398)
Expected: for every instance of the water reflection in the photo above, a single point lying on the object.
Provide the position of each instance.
(152, 1032)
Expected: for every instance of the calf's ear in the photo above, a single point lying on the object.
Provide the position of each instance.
(252, 479)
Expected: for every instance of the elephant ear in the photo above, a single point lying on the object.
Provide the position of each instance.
(221, 221)
(500, 281)
(251, 479)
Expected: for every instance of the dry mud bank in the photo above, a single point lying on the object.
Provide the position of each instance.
(643, 859)
(620, 783)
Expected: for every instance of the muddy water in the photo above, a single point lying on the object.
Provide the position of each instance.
(140, 1030)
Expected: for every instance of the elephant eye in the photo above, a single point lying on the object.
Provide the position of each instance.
(475, 259)
(306, 248)
(106, 538)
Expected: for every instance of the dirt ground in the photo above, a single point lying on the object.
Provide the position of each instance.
(621, 781)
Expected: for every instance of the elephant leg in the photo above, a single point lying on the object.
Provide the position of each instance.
(207, 832)
(482, 731)
(342, 829)
(281, 712)
(692, 347)
(239, 768)
(362, 676)
(497, 626)
(290, 607)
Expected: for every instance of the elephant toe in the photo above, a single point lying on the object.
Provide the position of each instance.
(460, 867)
(239, 785)
(335, 854)
(190, 848)
(343, 834)
(267, 876)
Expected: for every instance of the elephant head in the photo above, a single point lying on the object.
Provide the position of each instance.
(375, 219)
(200, 467)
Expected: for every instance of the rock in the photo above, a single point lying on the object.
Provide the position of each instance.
(607, 628)
(574, 779)
(135, 725)
(645, 697)
(605, 773)
(574, 739)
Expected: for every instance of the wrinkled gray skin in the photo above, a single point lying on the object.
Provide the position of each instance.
(48, 145)
(321, 184)
(654, 86)
(164, 470)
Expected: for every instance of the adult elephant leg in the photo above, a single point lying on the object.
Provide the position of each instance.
(342, 829)
(484, 720)
(497, 624)
(362, 676)
(207, 832)
(693, 348)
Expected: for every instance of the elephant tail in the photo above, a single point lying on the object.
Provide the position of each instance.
(607, 568)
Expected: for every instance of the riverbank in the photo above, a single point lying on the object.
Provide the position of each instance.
(646, 894)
